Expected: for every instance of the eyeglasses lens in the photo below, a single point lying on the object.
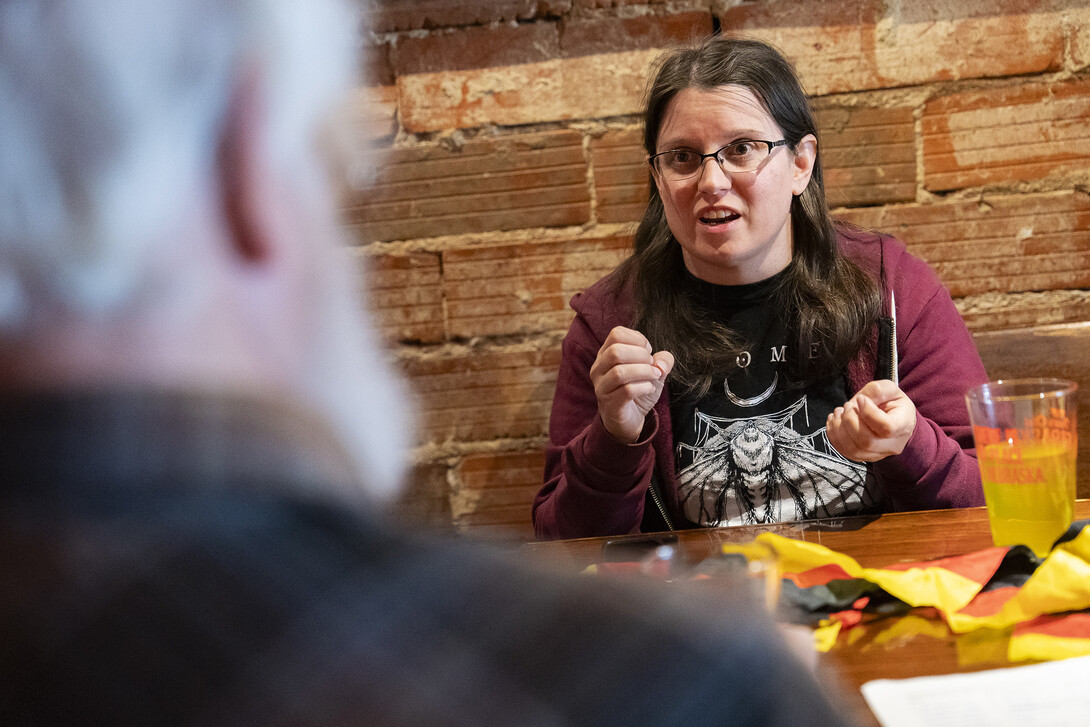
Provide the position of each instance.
(741, 156)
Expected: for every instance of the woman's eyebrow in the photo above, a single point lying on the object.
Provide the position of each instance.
(687, 142)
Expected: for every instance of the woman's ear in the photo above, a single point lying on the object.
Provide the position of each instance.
(803, 163)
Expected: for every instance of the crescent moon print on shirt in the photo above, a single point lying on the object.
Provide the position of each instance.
(753, 449)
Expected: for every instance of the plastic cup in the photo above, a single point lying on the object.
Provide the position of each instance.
(751, 570)
(1026, 436)
(757, 564)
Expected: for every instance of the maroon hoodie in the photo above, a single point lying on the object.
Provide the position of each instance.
(594, 485)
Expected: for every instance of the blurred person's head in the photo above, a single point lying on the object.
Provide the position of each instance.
(165, 215)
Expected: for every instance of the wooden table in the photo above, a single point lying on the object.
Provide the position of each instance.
(890, 648)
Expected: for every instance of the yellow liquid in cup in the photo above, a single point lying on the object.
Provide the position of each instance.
(1030, 500)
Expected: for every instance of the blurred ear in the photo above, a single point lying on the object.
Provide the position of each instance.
(247, 193)
(803, 164)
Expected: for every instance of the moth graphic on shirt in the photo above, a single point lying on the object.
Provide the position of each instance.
(759, 470)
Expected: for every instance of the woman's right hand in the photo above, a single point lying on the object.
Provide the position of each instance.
(628, 381)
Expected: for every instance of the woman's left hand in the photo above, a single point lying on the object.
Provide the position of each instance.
(874, 424)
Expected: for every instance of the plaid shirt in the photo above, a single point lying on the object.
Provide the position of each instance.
(183, 560)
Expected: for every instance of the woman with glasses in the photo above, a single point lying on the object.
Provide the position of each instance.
(753, 361)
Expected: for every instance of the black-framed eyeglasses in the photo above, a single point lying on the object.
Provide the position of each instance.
(744, 155)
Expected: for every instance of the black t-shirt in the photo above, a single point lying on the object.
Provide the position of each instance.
(754, 448)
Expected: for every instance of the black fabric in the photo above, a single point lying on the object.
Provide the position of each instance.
(883, 369)
(807, 606)
(238, 590)
(1072, 532)
(654, 515)
(754, 448)
(1014, 570)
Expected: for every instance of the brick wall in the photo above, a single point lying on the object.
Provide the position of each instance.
(514, 177)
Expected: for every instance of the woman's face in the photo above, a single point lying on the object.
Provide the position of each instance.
(733, 228)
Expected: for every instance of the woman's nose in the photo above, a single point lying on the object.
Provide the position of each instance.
(712, 177)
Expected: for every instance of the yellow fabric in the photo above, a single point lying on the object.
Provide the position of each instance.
(909, 627)
(1078, 546)
(1061, 583)
(1044, 647)
(825, 635)
(983, 647)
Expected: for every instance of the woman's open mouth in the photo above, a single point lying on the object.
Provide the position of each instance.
(714, 218)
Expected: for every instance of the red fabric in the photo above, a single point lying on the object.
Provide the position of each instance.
(979, 566)
(990, 602)
(818, 576)
(848, 618)
(1067, 625)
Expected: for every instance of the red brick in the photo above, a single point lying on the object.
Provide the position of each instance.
(503, 183)
(478, 395)
(621, 175)
(831, 42)
(940, 11)
(605, 84)
(1020, 133)
(605, 4)
(425, 500)
(1005, 244)
(406, 297)
(523, 287)
(612, 35)
(375, 67)
(587, 87)
(467, 48)
(397, 15)
(369, 114)
(937, 40)
(869, 155)
(1079, 29)
(496, 493)
(851, 45)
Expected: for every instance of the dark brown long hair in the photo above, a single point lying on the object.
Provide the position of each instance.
(829, 300)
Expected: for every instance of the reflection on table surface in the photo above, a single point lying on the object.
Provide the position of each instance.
(892, 647)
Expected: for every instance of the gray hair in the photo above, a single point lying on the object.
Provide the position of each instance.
(111, 114)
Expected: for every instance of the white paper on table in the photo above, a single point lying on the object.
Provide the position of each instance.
(1055, 693)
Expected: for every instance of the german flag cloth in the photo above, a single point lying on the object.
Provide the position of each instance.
(1043, 603)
